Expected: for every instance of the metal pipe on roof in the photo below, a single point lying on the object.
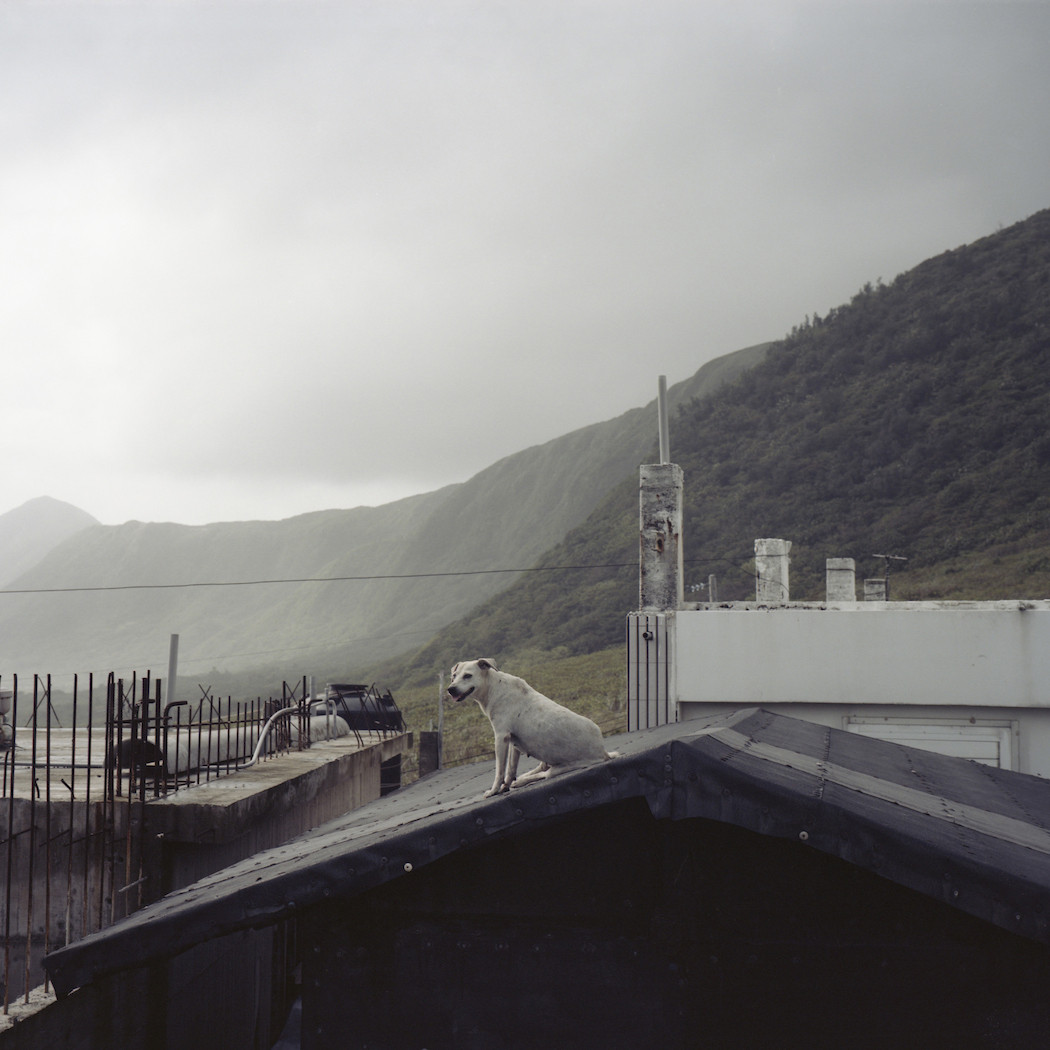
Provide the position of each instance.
(665, 432)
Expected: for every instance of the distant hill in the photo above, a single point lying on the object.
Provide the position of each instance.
(913, 420)
(388, 595)
(30, 531)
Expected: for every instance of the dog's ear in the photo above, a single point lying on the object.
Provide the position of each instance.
(487, 665)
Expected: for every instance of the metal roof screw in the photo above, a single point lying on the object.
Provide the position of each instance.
(804, 836)
(408, 865)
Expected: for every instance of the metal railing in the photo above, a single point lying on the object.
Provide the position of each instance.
(75, 775)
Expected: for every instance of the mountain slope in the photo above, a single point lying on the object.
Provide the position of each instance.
(28, 532)
(386, 596)
(911, 421)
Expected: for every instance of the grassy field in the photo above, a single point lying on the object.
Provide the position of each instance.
(595, 685)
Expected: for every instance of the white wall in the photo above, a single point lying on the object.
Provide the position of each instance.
(951, 676)
(931, 653)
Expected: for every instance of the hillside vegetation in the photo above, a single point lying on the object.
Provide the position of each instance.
(911, 421)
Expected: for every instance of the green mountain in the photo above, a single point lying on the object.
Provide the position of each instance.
(386, 593)
(913, 421)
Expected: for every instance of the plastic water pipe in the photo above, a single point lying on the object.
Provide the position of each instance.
(265, 732)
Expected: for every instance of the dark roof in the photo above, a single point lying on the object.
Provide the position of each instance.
(974, 837)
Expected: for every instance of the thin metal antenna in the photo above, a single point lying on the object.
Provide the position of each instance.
(886, 560)
(665, 434)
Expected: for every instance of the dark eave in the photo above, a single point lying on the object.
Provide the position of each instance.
(973, 837)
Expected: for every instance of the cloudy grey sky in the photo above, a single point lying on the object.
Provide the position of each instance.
(261, 258)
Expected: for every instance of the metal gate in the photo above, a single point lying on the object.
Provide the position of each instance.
(651, 697)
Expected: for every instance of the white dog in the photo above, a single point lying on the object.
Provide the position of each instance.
(526, 722)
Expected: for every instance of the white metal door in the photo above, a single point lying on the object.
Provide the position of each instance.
(990, 743)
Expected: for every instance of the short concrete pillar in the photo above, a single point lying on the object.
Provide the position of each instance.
(660, 576)
(876, 590)
(429, 752)
(841, 580)
(771, 571)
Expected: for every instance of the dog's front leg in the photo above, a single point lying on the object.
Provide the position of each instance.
(503, 747)
(512, 767)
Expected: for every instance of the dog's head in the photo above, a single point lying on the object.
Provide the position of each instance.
(469, 677)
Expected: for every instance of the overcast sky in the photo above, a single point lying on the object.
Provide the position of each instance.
(258, 259)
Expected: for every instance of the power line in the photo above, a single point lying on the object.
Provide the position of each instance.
(336, 579)
(341, 579)
(306, 579)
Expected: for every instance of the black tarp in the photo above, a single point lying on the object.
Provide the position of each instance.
(970, 836)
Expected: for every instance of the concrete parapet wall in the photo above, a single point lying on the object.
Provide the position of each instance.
(216, 824)
(220, 994)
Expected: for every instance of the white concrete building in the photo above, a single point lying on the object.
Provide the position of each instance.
(970, 679)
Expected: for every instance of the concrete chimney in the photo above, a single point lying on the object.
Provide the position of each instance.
(841, 580)
(660, 576)
(771, 571)
(876, 590)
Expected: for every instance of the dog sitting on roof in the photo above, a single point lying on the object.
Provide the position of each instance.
(526, 722)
